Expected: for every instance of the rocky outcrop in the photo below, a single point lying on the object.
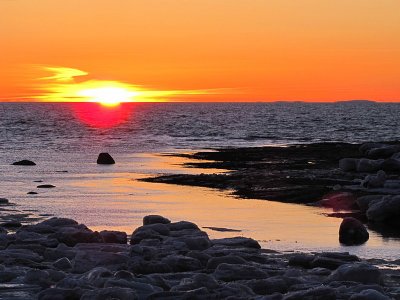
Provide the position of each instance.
(62, 259)
(105, 159)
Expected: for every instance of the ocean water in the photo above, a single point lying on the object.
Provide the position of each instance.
(65, 139)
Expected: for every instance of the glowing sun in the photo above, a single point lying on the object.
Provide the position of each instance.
(108, 96)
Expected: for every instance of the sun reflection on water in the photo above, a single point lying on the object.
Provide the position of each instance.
(99, 115)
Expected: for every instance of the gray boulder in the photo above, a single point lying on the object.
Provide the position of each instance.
(110, 293)
(154, 219)
(357, 272)
(63, 264)
(352, 232)
(348, 164)
(375, 181)
(232, 272)
(387, 209)
(364, 202)
(365, 165)
(369, 294)
(241, 242)
(118, 237)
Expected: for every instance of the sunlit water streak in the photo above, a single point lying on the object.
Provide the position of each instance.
(111, 197)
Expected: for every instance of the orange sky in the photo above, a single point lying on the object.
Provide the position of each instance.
(235, 50)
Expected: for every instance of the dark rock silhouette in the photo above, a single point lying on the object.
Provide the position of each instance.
(3, 201)
(61, 259)
(32, 193)
(46, 186)
(352, 232)
(154, 219)
(24, 162)
(105, 159)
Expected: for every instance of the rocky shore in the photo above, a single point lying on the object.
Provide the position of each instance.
(61, 259)
(357, 180)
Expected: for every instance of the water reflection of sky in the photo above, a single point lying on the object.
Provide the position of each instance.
(110, 197)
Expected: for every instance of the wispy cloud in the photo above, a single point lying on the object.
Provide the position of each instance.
(62, 85)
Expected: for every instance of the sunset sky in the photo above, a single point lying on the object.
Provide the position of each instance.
(200, 50)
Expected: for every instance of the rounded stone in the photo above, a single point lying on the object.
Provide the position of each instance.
(352, 232)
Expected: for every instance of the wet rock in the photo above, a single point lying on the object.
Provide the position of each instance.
(63, 264)
(110, 293)
(357, 272)
(11, 224)
(388, 208)
(365, 165)
(154, 219)
(268, 286)
(24, 162)
(40, 277)
(87, 260)
(238, 242)
(352, 232)
(214, 262)
(143, 290)
(383, 151)
(369, 294)
(318, 293)
(180, 263)
(118, 237)
(197, 242)
(375, 181)
(123, 274)
(156, 231)
(365, 201)
(71, 236)
(105, 159)
(46, 186)
(182, 225)
(348, 164)
(59, 222)
(365, 147)
(60, 294)
(391, 165)
(231, 272)
(60, 251)
(7, 276)
(302, 260)
(327, 263)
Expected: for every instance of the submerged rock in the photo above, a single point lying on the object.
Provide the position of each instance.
(352, 232)
(24, 162)
(105, 159)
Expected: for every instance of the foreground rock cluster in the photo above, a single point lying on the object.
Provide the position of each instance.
(61, 259)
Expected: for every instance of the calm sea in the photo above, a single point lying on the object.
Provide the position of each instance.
(65, 139)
